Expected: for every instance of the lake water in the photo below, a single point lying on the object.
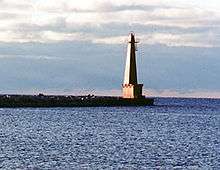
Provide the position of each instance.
(174, 134)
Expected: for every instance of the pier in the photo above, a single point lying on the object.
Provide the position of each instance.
(40, 100)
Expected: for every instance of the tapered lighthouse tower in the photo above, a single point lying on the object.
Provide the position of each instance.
(131, 88)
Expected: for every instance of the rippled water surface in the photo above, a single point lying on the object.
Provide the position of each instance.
(174, 134)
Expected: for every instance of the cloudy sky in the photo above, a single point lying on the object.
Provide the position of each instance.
(79, 47)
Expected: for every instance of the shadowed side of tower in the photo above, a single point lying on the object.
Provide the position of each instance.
(131, 88)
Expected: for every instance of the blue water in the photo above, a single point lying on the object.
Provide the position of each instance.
(174, 134)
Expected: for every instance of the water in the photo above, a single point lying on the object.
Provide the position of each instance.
(175, 134)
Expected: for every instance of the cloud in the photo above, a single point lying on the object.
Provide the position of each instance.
(101, 66)
(43, 21)
(34, 57)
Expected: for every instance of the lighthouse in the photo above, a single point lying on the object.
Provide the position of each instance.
(130, 87)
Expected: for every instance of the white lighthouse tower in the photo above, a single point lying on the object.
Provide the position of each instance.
(131, 88)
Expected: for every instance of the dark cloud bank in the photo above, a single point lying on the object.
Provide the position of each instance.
(68, 66)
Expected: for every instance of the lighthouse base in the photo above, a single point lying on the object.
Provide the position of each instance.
(131, 91)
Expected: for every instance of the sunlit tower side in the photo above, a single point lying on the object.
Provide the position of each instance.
(131, 89)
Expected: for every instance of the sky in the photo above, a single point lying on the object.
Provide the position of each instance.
(79, 47)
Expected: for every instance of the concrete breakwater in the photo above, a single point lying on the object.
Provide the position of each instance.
(70, 101)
